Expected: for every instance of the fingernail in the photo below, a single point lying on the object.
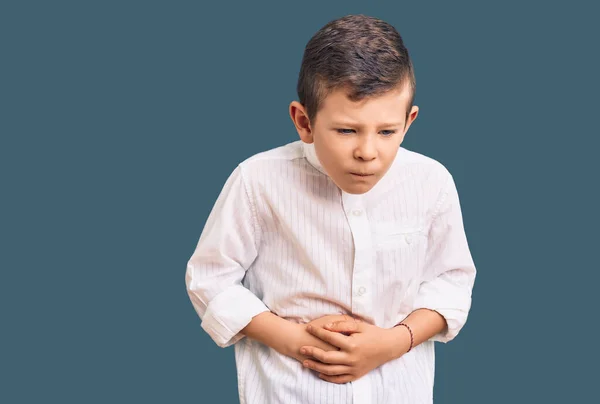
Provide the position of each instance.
(303, 350)
(305, 364)
(329, 325)
(309, 327)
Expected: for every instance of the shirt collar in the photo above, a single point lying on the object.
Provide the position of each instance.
(311, 156)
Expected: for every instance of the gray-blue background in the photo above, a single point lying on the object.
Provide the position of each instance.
(121, 120)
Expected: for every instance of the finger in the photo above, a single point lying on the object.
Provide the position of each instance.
(339, 379)
(329, 370)
(319, 322)
(333, 338)
(331, 357)
(348, 327)
(344, 317)
(332, 318)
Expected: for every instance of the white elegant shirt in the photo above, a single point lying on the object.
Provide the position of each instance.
(283, 237)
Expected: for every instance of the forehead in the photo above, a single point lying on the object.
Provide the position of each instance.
(388, 107)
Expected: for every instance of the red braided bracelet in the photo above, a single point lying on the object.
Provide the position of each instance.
(411, 336)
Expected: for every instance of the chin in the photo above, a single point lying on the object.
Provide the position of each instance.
(356, 189)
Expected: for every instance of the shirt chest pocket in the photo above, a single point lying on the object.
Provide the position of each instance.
(399, 236)
(400, 250)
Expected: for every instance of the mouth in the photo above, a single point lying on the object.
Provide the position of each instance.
(362, 174)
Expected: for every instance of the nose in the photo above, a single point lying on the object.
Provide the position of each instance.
(365, 149)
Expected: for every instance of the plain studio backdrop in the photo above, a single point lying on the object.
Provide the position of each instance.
(120, 122)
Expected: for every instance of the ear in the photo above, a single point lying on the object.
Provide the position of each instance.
(301, 122)
(414, 111)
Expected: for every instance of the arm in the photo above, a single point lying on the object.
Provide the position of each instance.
(285, 336)
(424, 325)
(227, 247)
(449, 272)
(368, 346)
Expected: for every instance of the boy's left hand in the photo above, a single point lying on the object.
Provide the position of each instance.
(363, 348)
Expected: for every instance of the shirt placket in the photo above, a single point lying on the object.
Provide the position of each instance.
(362, 290)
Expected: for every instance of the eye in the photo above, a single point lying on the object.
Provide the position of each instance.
(388, 132)
(345, 131)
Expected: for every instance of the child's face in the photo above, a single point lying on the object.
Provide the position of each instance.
(356, 142)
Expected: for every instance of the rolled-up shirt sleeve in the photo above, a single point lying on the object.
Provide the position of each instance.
(449, 271)
(226, 249)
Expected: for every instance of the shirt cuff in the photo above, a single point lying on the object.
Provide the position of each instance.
(229, 312)
(453, 305)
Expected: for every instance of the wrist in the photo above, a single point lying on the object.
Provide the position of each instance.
(274, 332)
(400, 341)
(290, 339)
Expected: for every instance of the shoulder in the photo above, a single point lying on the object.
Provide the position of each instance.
(423, 168)
(273, 157)
(424, 176)
(276, 160)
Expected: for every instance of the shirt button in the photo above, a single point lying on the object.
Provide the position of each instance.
(357, 212)
(361, 290)
(408, 239)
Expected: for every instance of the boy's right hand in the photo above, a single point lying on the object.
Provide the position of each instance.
(304, 338)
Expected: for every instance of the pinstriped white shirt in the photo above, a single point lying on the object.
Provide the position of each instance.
(283, 237)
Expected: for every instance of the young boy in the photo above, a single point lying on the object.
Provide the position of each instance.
(334, 262)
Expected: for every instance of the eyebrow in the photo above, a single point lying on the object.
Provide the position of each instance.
(384, 125)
